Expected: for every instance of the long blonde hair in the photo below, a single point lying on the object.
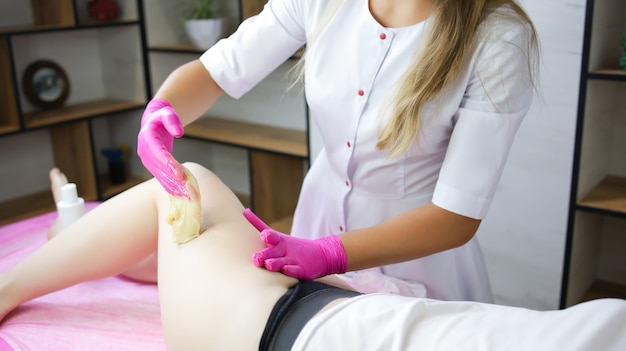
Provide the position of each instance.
(450, 43)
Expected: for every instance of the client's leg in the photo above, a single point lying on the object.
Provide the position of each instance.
(212, 296)
(145, 271)
(109, 239)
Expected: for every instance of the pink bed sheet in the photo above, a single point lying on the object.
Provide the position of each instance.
(107, 314)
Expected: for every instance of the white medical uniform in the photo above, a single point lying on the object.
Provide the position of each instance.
(457, 160)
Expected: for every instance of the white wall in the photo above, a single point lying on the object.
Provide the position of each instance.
(523, 237)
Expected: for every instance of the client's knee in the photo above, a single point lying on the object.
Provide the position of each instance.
(201, 173)
(197, 169)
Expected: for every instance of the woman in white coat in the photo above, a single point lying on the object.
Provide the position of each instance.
(417, 103)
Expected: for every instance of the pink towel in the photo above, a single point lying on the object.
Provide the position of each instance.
(107, 314)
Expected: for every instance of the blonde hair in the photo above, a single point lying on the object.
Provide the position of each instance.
(450, 44)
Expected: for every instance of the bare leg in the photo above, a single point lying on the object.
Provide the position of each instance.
(206, 286)
(145, 271)
(104, 242)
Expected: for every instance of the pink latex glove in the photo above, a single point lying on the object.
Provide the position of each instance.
(159, 126)
(296, 257)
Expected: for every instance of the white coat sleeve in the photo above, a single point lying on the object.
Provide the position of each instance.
(260, 45)
(498, 96)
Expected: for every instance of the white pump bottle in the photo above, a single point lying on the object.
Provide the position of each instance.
(71, 207)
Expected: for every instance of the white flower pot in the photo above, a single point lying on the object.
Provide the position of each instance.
(204, 33)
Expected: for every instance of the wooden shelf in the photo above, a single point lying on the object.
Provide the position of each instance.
(108, 190)
(277, 159)
(97, 24)
(609, 195)
(32, 28)
(44, 118)
(177, 48)
(250, 135)
(611, 73)
(602, 289)
(9, 120)
(47, 14)
(188, 48)
(250, 8)
(26, 206)
(16, 30)
(8, 129)
(595, 227)
(70, 130)
(282, 225)
(610, 70)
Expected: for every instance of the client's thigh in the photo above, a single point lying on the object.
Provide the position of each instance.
(212, 296)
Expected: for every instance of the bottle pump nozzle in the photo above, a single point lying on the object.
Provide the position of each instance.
(69, 194)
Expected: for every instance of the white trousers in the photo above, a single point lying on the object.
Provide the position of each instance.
(391, 322)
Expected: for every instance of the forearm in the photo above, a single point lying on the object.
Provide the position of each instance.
(411, 235)
(190, 90)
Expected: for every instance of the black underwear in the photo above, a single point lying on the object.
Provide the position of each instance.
(294, 309)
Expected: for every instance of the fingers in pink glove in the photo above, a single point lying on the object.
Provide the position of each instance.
(273, 239)
(301, 258)
(255, 220)
(176, 185)
(170, 173)
(172, 122)
(161, 111)
(274, 258)
(159, 125)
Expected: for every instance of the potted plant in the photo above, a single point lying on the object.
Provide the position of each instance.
(203, 26)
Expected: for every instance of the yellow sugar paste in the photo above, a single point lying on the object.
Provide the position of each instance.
(185, 215)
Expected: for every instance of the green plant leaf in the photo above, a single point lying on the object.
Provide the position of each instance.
(197, 9)
(203, 9)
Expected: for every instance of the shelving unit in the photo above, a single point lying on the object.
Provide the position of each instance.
(608, 197)
(104, 62)
(250, 135)
(595, 256)
(111, 68)
(277, 157)
(9, 120)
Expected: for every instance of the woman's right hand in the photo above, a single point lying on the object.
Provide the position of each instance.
(296, 257)
(159, 126)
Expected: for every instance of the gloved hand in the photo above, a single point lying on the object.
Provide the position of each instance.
(159, 126)
(296, 257)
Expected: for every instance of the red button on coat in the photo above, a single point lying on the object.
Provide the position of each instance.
(340, 228)
(348, 143)
(347, 183)
(383, 36)
(361, 92)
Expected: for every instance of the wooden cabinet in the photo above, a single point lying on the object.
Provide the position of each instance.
(272, 139)
(595, 256)
(114, 68)
(104, 63)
